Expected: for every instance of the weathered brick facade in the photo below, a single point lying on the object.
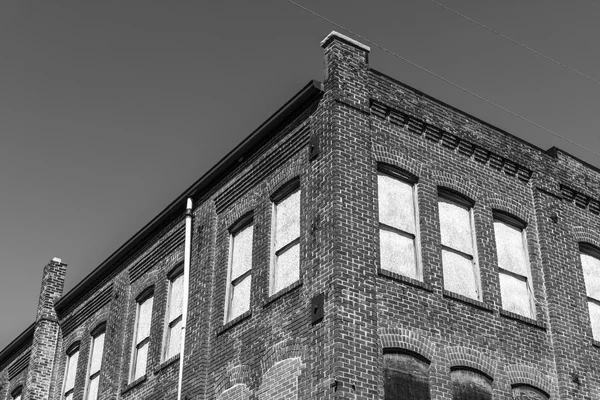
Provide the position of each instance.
(333, 137)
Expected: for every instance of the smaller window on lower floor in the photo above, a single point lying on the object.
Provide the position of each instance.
(470, 384)
(526, 392)
(406, 377)
(16, 394)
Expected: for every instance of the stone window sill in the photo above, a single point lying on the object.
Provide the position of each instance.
(405, 279)
(466, 300)
(282, 293)
(134, 384)
(234, 322)
(166, 364)
(525, 320)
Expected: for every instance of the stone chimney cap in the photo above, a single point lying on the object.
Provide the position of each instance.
(57, 260)
(344, 38)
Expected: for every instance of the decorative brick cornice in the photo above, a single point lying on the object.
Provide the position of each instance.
(406, 339)
(461, 356)
(450, 141)
(580, 199)
(528, 375)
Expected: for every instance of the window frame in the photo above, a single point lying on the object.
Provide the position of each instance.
(144, 296)
(411, 180)
(591, 251)
(460, 200)
(280, 195)
(100, 329)
(517, 223)
(175, 273)
(242, 223)
(72, 350)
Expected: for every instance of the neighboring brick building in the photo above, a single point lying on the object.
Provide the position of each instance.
(366, 242)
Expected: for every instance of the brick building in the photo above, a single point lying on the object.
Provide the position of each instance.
(367, 241)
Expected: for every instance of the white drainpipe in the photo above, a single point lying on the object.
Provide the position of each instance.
(186, 289)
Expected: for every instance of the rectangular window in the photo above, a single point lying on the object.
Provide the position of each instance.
(461, 273)
(141, 338)
(96, 352)
(513, 268)
(398, 230)
(174, 317)
(70, 371)
(285, 241)
(239, 274)
(590, 261)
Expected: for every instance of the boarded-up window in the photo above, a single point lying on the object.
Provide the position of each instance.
(590, 261)
(96, 352)
(398, 229)
(285, 242)
(461, 273)
(526, 392)
(174, 316)
(141, 336)
(240, 267)
(513, 266)
(406, 377)
(470, 385)
(70, 371)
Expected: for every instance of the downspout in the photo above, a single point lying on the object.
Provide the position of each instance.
(186, 289)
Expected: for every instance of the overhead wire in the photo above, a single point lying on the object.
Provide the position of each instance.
(448, 81)
(539, 53)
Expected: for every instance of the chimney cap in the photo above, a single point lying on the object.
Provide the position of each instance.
(57, 260)
(344, 38)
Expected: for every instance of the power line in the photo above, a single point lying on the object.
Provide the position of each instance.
(516, 42)
(456, 85)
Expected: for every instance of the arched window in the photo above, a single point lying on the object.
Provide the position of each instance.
(406, 376)
(468, 384)
(70, 371)
(590, 262)
(526, 392)
(16, 394)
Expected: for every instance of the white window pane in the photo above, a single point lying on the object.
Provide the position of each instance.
(286, 269)
(144, 319)
(515, 295)
(176, 300)
(511, 250)
(287, 224)
(71, 371)
(93, 388)
(455, 227)
(398, 253)
(396, 204)
(240, 298)
(140, 361)
(591, 273)
(17, 397)
(242, 252)
(174, 345)
(595, 319)
(459, 276)
(96, 357)
(69, 396)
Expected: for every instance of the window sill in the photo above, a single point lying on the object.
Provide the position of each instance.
(134, 384)
(463, 299)
(234, 322)
(166, 364)
(282, 293)
(405, 279)
(520, 318)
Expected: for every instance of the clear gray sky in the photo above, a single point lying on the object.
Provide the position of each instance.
(110, 109)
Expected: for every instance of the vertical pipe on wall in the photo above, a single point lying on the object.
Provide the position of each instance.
(186, 289)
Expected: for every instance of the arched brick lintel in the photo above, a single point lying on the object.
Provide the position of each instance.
(400, 338)
(280, 351)
(586, 235)
(239, 391)
(524, 374)
(458, 183)
(510, 206)
(460, 356)
(385, 155)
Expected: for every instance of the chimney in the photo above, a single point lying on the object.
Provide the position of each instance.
(346, 69)
(46, 334)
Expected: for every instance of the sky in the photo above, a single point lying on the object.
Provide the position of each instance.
(110, 109)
